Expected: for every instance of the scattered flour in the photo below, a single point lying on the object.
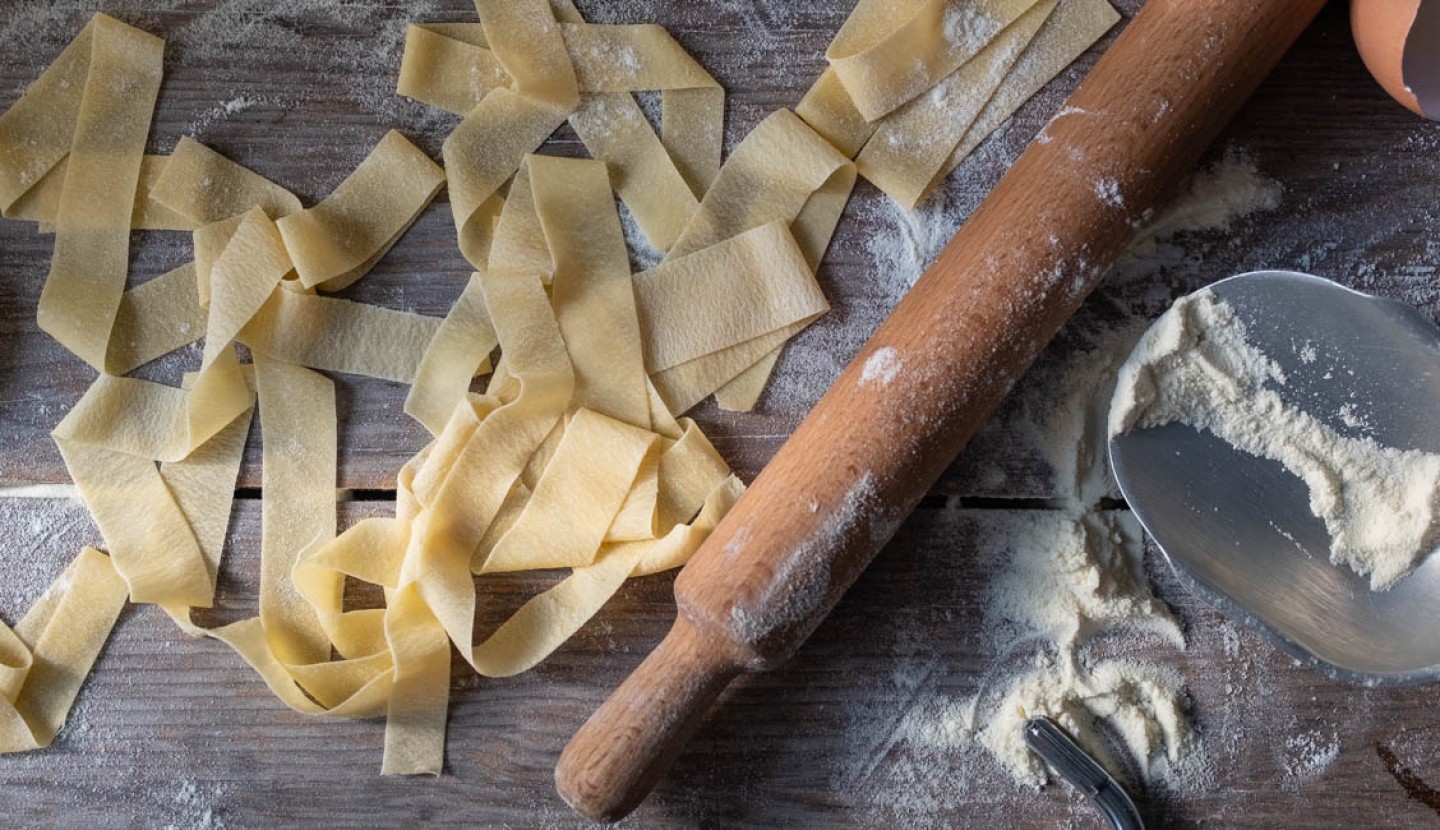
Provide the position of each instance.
(1108, 191)
(967, 28)
(1139, 702)
(1064, 581)
(912, 239)
(193, 807)
(1308, 353)
(643, 255)
(1196, 367)
(1307, 755)
(1212, 200)
(1066, 584)
(881, 367)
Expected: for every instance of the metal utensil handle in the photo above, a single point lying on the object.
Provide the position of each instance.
(1076, 766)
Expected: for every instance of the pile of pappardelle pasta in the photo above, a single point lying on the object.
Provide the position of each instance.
(573, 457)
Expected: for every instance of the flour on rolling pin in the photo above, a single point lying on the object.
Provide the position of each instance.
(802, 580)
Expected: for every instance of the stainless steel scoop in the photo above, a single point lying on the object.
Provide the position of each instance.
(1237, 529)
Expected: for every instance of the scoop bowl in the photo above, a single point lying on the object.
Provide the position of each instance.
(1237, 529)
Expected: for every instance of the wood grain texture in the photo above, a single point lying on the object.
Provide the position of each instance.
(167, 728)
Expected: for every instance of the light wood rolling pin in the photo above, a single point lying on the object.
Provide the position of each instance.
(952, 348)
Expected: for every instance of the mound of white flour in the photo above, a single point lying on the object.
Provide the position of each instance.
(1196, 367)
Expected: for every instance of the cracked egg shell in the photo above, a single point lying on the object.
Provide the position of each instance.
(1399, 40)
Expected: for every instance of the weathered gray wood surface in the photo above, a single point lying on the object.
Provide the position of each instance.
(168, 729)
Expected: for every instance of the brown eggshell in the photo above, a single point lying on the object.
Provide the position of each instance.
(1381, 28)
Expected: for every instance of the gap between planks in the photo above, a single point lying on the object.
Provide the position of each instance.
(342, 494)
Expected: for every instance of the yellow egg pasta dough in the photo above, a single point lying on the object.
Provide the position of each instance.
(573, 459)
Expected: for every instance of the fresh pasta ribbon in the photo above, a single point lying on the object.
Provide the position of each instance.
(87, 276)
(592, 291)
(887, 53)
(1073, 27)
(298, 438)
(974, 62)
(573, 458)
(487, 147)
(806, 184)
(459, 350)
(203, 186)
(47, 655)
(339, 240)
(36, 132)
(340, 335)
(660, 178)
(781, 171)
(41, 203)
(764, 269)
(909, 148)
(156, 318)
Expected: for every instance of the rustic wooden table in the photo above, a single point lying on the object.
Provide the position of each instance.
(173, 732)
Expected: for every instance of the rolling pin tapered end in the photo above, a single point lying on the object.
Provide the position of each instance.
(620, 753)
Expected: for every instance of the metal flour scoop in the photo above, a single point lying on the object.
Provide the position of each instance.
(1238, 530)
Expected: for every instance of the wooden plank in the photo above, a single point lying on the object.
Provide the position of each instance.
(167, 728)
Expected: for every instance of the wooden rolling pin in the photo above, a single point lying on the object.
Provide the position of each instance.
(931, 375)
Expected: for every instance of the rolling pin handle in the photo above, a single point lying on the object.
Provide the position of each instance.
(620, 753)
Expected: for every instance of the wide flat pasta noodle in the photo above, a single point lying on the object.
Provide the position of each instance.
(210, 241)
(41, 203)
(597, 456)
(203, 186)
(339, 240)
(297, 418)
(658, 177)
(1073, 27)
(691, 315)
(483, 152)
(243, 278)
(806, 183)
(155, 318)
(92, 242)
(520, 246)
(155, 421)
(614, 130)
(689, 383)
(36, 132)
(775, 174)
(592, 292)
(487, 147)
(529, 44)
(159, 559)
(911, 145)
(203, 485)
(443, 68)
(459, 350)
(340, 335)
(889, 52)
(46, 657)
